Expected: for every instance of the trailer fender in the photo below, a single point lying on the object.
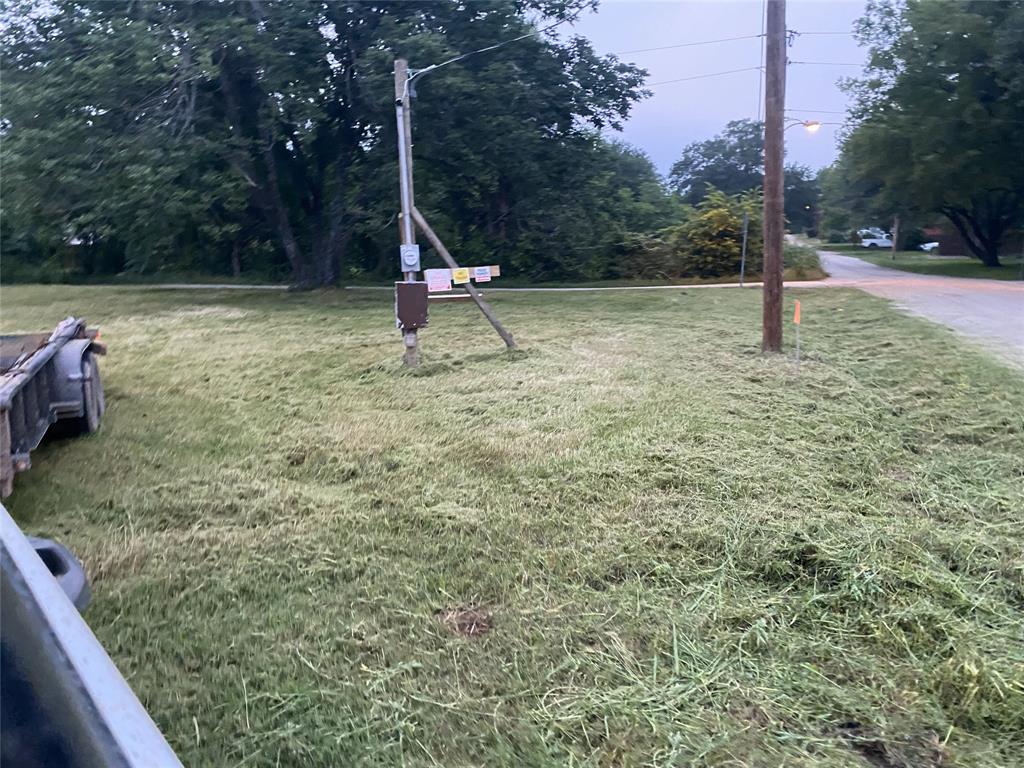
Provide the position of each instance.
(69, 388)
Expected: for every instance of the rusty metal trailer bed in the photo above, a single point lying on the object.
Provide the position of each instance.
(46, 379)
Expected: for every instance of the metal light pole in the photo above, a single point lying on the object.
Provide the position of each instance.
(412, 218)
(411, 356)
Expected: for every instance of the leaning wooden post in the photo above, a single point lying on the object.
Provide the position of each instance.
(411, 357)
(470, 289)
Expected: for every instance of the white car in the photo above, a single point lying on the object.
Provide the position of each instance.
(876, 241)
(928, 247)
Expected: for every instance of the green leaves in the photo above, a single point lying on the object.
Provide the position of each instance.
(179, 135)
(940, 115)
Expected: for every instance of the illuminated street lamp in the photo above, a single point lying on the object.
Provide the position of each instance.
(811, 126)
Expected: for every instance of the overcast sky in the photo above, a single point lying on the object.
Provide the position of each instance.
(679, 113)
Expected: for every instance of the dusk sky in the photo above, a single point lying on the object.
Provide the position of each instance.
(679, 113)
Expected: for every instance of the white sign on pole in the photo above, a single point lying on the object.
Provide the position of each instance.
(482, 274)
(438, 280)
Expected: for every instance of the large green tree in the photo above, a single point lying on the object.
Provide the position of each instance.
(733, 162)
(940, 114)
(190, 133)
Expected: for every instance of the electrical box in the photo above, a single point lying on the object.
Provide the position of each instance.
(411, 305)
(409, 255)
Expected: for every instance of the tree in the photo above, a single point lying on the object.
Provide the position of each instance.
(802, 195)
(733, 162)
(180, 133)
(940, 111)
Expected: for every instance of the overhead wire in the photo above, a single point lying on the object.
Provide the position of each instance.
(416, 73)
(701, 77)
(829, 63)
(895, 116)
(760, 60)
(687, 45)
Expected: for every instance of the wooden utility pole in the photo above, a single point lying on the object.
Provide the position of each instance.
(895, 235)
(411, 357)
(774, 218)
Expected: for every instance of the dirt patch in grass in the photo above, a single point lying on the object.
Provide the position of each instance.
(925, 751)
(467, 622)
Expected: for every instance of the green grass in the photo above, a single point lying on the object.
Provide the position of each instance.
(926, 264)
(689, 553)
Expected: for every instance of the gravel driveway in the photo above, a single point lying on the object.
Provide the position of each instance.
(990, 312)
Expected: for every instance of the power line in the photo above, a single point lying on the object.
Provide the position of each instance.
(687, 45)
(895, 116)
(461, 56)
(794, 32)
(709, 74)
(829, 63)
(760, 61)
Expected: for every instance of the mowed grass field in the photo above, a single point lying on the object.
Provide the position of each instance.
(637, 542)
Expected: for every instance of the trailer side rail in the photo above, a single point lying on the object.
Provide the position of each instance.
(79, 709)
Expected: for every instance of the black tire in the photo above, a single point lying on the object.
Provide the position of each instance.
(872, 245)
(93, 402)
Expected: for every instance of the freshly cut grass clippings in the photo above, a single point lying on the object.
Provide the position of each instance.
(688, 553)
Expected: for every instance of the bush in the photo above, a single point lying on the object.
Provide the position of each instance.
(711, 242)
(835, 236)
(708, 244)
(801, 262)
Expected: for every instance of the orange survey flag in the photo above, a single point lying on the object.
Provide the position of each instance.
(796, 314)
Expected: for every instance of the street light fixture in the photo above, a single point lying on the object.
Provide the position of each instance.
(811, 126)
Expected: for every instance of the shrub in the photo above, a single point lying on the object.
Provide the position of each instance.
(709, 243)
(713, 235)
(801, 262)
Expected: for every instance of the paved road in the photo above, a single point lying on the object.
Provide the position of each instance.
(990, 312)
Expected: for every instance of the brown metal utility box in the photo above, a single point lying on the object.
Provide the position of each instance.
(411, 305)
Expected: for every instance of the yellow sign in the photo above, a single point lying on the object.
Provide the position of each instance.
(460, 275)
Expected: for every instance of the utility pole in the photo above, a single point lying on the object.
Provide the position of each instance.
(412, 218)
(743, 252)
(411, 356)
(895, 235)
(774, 218)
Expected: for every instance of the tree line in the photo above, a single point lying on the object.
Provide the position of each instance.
(256, 138)
(936, 129)
(259, 137)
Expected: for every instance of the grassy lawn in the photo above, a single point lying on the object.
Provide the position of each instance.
(636, 542)
(925, 264)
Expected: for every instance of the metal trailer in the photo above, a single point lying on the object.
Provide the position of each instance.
(63, 702)
(46, 380)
